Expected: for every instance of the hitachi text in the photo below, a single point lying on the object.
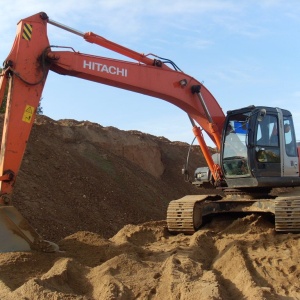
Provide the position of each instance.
(104, 68)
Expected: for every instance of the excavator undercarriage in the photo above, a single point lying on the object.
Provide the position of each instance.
(186, 215)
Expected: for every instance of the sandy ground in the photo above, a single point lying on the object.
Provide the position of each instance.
(232, 257)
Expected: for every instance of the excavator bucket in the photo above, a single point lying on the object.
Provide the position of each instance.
(16, 234)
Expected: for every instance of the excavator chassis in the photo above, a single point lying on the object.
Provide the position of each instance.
(185, 215)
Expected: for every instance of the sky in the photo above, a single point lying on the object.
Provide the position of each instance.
(246, 52)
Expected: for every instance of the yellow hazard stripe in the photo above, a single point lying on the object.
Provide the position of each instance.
(27, 32)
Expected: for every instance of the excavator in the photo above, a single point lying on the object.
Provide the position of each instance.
(256, 148)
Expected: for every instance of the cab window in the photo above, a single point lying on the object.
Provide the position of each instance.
(289, 137)
(267, 140)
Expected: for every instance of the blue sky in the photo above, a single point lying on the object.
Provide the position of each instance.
(246, 52)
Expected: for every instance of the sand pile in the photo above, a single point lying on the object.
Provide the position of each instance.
(230, 258)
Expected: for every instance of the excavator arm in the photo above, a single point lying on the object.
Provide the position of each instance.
(25, 76)
(25, 72)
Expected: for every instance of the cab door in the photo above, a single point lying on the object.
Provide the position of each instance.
(290, 163)
(267, 158)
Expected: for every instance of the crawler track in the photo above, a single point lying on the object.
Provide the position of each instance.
(287, 214)
(185, 215)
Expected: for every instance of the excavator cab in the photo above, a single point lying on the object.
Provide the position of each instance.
(259, 149)
(258, 152)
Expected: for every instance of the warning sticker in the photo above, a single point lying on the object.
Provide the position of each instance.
(28, 113)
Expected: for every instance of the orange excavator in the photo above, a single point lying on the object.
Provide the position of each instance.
(256, 146)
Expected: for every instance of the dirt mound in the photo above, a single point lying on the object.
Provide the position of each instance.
(101, 194)
(81, 176)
